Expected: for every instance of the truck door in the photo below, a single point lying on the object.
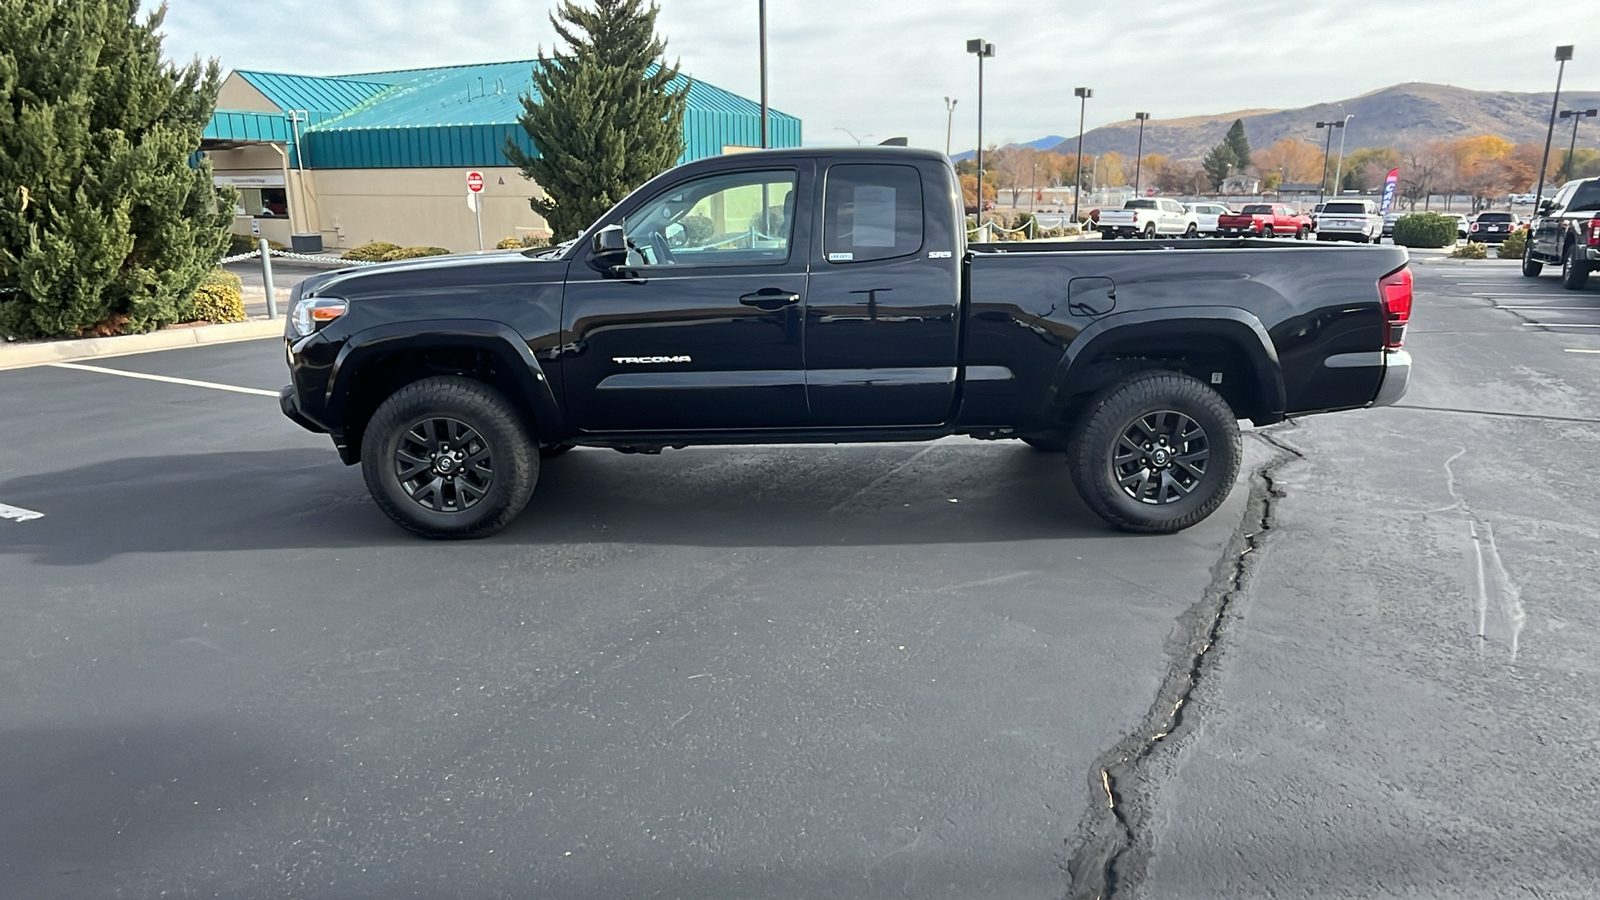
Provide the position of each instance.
(883, 305)
(702, 329)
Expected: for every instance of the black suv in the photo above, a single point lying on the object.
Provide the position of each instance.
(1566, 231)
(1492, 227)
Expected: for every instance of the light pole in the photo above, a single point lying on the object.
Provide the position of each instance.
(852, 134)
(1083, 94)
(949, 122)
(1574, 115)
(1326, 148)
(1138, 157)
(762, 6)
(1338, 168)
(983, 50)
(1563, 53)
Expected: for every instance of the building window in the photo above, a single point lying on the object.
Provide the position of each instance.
(264, 203)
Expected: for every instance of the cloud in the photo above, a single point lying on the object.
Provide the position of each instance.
(882, 68)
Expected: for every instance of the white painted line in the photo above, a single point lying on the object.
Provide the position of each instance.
(1575, 350)
(1537, 306)
(1508, 296)
(18, 514)
(1556, 325)
(167, 379)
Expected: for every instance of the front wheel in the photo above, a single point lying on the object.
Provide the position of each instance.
(1192, 232)
(449, 457)
(1574, 271)
(1156, 452)
(1530, 267)
(1302, 234)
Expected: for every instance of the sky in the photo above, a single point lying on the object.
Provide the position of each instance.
(874, 69)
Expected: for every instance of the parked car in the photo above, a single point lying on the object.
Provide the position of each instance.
(1316, 212)
(1350, 220)
(1463, 226)
(1148, 217)
(860, 314)
(1265, 220)
(1566, 231)
(1388, 222)
(1205, 215)
(1492, 227)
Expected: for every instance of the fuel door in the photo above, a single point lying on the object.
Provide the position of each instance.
(1091, 296)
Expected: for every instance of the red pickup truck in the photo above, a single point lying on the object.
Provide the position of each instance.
(1265, 220)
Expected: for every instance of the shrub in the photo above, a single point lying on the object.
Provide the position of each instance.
(218, 298)
(1425, 230)
(508, 243)
(371, 251)
(1025, 221)
(1514, 244)
(400, 253)
(1470, 251)
(536, 240)
(245, 243)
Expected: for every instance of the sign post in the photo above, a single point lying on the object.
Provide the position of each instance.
(475, 200)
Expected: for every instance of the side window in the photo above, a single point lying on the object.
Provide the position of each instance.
(871, 212)
(733, 219)
(1563, 195)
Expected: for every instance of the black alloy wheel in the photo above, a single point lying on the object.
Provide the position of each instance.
(1156, 452)
(449, 457)
(1530, 267)
(1574, 271)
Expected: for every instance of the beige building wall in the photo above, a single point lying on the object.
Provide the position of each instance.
(236, 93)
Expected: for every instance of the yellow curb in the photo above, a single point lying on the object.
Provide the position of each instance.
(23, 355)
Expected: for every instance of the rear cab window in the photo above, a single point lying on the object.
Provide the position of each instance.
(871, 212)
(1345, 209)
(1586, 198)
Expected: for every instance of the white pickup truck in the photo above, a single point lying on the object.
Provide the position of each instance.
(1147, 217)
(1350, 220)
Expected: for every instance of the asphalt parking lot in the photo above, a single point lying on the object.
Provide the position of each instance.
(880, 670)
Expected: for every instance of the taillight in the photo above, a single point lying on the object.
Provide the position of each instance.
(1474, 226)
(1395, 289)
(1594, 232)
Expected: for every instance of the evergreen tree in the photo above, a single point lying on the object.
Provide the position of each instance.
(1219, 164)
(104, 223)
(605, 117)
(1239, 144)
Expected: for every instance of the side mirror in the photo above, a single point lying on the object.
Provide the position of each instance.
(609, 247)
(1546, 205)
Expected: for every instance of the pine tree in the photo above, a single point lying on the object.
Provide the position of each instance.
(606, 116)
(104, 222)
(1239, 144)
(1219, 164)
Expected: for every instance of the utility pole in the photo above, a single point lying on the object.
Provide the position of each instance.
(765, 139)
(949, 122)
(1138, 157)
(1575, 115)
(983, 49)
(1338, 169)
(1083, 94)
(1326, 153)
(1563, 53)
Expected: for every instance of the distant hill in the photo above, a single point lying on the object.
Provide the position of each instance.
(1397, 115)
(1044, 143)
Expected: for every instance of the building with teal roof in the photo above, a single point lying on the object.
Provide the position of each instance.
(384, 155)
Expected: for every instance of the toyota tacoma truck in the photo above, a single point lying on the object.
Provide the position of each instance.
(1148, 217)
(829, 296)
(1265, 220)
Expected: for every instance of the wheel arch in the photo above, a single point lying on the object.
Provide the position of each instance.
(378, 361)
(1196, 341)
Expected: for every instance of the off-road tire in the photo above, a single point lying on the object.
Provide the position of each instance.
(1574, 271)
(1530, 267)
(1111, 413)
(511, 454)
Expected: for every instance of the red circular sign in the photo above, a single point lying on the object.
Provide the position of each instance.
(475, 182)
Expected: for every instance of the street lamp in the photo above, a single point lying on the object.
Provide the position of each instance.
(983, 50)
(1327, 147)
(949, 122)
(1138, 157)
(763, 16)
(1574, 115)
(1338, 168)
(1563, 53)
(1083, 94)
(852, 134)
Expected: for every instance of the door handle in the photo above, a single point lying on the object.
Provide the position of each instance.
(770, 298)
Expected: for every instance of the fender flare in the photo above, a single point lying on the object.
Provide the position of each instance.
(537, 397)
(1236, 325)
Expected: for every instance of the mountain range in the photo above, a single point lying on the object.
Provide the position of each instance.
(1393, 116)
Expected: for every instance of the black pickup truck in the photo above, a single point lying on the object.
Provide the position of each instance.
(831, 296)
(1566, 231)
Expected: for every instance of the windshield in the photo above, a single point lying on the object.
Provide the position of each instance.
(1346, 208)
(1139, 204)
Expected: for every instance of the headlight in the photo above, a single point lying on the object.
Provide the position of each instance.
(315, 312)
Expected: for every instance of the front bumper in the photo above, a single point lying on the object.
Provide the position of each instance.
(1396, 378)
(289, 402)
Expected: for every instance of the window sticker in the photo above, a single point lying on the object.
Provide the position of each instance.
(841, 257)
(874, 216)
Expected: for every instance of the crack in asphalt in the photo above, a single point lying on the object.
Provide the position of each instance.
(1114, 846)
(1504, 415)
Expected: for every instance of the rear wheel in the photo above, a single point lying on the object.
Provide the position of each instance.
(1155, 453)
(1150, 232)
(449, 457)
(1302, 234)
(1530, 267)
(1574, 271)
(1193, 231)
(1266, 232)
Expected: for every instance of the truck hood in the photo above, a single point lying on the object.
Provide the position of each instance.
(331, 282)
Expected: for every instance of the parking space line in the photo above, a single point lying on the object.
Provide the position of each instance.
(1560, 308)
(1559, 325)
(1576, 350)
(167, 379)
(18, 514)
